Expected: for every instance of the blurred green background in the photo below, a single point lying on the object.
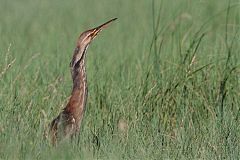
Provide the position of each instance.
(163, 79)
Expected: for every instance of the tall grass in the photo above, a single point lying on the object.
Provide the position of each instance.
(163, 80)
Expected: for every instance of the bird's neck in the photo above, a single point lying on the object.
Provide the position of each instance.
(79, 77)
(77, 102)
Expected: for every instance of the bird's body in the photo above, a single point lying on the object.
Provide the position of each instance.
(68, 122)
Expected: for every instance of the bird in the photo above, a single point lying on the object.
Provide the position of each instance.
(67, 124)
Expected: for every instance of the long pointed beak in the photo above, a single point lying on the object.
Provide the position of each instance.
(96, 30)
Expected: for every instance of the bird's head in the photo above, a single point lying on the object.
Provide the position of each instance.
(86, 37)
(84, 40)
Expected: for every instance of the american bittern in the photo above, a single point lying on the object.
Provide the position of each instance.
(68, 122)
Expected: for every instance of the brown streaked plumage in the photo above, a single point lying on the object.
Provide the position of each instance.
(68, 122)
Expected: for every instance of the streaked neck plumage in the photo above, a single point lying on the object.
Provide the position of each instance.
(77, 102)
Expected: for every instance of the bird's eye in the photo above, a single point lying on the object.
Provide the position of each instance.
(89, 36)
